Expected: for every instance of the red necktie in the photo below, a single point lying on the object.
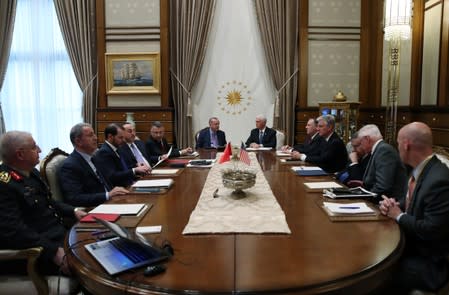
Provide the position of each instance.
(411, 188)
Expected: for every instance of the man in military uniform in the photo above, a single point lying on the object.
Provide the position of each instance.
(29, 217)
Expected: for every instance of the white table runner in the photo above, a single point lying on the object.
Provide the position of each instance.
(258, 212)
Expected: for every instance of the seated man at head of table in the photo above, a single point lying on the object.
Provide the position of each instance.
(111, 164)
(358, 161)
(80, 182)
(333, 156)
(133, 149)
(385, 173)
(211, 137)
(157, 146)
(422, 213)
(312, 144)
(261, 136)
(29, 217)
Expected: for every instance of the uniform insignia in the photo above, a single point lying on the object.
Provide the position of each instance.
(16, 176)
(5, 176)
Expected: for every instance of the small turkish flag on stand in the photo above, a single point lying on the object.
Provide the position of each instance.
(226, 154)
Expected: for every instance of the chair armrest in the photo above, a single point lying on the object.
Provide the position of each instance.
(31, 255)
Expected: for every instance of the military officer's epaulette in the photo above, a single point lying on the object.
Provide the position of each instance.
(6, 176)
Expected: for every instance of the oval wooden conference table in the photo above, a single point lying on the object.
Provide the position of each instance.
(319, 256)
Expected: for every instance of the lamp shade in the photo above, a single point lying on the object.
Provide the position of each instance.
(397, 19)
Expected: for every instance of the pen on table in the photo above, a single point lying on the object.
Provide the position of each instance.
(348, 207)
(99, 232)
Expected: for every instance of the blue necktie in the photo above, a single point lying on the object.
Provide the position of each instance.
(260, 137)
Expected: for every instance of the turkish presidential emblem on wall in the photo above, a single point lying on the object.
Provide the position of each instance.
(234, 98)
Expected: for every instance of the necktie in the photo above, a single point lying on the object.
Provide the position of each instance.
(161, 144)
(213, 142)
(138, 155)
(103, 181)
(124, 166)
(411, 188)
(260, 137)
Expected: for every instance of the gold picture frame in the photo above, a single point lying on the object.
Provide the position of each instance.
(133, 73)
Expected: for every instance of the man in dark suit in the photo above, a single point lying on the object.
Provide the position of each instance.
(261, 136)
(80, 182)
(312, 144)
(29, 217)
(358, 161)
(133, 149)
(211, 137)
(422, 215)
(157, 146)
(385, 174)
(111, 164)
(333, 156)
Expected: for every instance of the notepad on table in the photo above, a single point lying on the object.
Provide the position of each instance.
(283, 154)
(308, 170)
(262, 148)
(349, 208)
(164, 171)
(322, 184)
(158, 183)
(121, 209)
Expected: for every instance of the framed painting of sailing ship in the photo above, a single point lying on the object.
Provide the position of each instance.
(133, 73)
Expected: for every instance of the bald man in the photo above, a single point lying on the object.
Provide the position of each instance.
(422, 214)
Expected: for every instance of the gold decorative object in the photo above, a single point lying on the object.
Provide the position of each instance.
(339, 96)
(238, 180)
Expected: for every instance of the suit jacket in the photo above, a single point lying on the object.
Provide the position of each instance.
(29, 216)
(268, 140)
(312, 148)
(128, 154)
(385, 173)
(204, 140)
(333, 156)
(426, 224)
(355, 171)
(111, 167)
(154, 150)
(79, 184)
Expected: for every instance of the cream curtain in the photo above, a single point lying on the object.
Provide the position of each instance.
(279, 25)
(77, 21)
(7, 15)
(190, 23)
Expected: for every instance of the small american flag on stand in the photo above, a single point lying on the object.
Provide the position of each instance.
(244, 156)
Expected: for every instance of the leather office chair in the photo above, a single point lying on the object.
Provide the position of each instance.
(49, 167)
(280, 138)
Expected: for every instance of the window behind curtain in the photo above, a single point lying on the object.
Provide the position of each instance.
(40, 93)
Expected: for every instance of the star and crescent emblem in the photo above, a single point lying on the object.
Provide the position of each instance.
(234, 97)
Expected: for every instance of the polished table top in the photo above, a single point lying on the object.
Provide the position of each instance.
(319, 256)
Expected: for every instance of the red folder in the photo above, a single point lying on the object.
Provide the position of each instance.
(108, 217)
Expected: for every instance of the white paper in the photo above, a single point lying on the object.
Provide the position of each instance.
(122, 209)
(322, 184)
(283, 154)
(348, 208)
(263, 148)
(162, 160)
(164, 171)
(164, 182)
(149, 229)
(306, 168)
